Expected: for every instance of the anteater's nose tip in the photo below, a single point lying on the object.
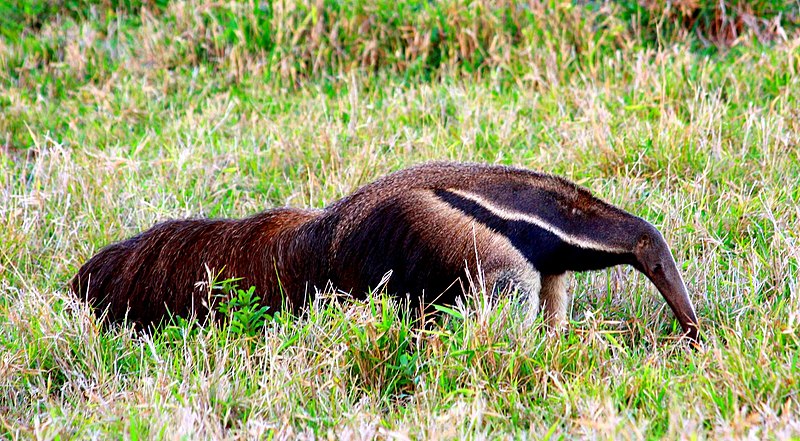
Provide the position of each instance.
(692, 335)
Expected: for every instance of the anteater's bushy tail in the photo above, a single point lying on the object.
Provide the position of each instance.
(166, 269)
(94, 281)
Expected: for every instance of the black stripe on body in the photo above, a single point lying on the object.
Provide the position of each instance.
(547, 252)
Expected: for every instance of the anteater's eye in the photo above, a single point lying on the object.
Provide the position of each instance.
(657, 268)
(577, 212)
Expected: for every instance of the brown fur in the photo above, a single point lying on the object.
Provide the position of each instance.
(412, 223)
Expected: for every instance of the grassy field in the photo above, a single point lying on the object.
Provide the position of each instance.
(115, 115)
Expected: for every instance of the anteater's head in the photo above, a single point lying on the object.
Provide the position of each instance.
(654, 259)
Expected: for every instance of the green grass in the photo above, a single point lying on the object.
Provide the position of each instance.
(117, 116)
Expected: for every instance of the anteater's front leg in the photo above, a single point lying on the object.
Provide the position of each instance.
(515, 276)
(555, 300)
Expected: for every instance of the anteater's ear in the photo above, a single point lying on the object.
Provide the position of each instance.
(644, 242)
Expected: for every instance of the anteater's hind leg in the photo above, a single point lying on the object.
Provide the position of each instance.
(555, 300)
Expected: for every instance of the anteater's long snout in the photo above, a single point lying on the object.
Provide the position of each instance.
(659, 266)
(675, 293)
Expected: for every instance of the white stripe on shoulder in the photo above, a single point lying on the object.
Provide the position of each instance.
(512, 215)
